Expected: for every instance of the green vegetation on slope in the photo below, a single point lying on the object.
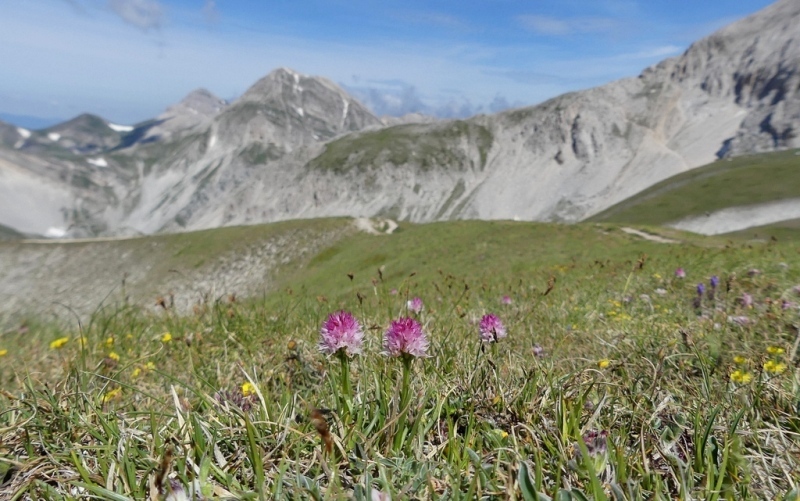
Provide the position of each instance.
(616, 380)
(431, 146)
(745, 180)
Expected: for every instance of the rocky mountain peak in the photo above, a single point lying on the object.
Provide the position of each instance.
(288, 109)
(199, 101)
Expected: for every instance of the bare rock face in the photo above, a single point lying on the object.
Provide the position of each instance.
(191, 114)
(755, 63)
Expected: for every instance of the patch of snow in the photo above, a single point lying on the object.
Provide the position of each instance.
(120, 128)
(649, 236)
(53, 136)
(53, 232)
(23, 132)
(99, 161)
(300, 112)
(212, 142)
(345, 109)
(741, 218)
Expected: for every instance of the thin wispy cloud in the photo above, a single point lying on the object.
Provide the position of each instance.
(210, 12)
(547, 25)
(143, 14)
(432, 19)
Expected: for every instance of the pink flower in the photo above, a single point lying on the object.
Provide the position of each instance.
(415, 305)
(507, 300)
(405, 337)
(341, 331)
(746, 300)
(680, 273)
(491, 328)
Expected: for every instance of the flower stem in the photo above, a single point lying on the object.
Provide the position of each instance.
(346, 394)
(404, 401)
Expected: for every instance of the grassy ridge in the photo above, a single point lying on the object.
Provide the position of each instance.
(744, 180)
(696, 401)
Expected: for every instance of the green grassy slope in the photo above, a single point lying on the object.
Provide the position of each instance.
(739, 181)
(640, 390)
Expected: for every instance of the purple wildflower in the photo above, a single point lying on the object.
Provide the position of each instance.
(680, 273)
(405, 337)
(506, 300)
(714, 281)
(341, 331)
(415, 305)
(701, 289)
(491, 328)
(746, 300)
(538, 351)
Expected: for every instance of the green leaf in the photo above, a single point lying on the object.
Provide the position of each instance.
(526, 486)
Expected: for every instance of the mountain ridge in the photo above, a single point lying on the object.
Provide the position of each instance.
(294, 146)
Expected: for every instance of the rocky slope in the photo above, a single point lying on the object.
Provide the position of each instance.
(296, 147)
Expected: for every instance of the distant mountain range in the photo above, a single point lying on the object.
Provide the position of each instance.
(295, 146)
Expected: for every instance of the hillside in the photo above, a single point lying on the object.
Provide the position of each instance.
(571, 362)
(198, 268)
(766, 185)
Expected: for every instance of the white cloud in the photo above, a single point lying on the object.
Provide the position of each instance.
(143, 14)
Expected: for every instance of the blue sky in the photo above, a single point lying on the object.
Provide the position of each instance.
(127, 60)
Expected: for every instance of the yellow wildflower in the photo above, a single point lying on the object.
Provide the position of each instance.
(604, 363)
(3, 353)
(741, 377)
(150, 366)
(775, 350)
(136, 372)
(129, 336)
(657, 276)
(739, 360)
(248, 389)
(113, 356)
(166, 338)
(774, 367)
(109, 341)
(112, 395)
(58, 343)
(82, 341)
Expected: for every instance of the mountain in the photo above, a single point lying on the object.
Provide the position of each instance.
(295, 146)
